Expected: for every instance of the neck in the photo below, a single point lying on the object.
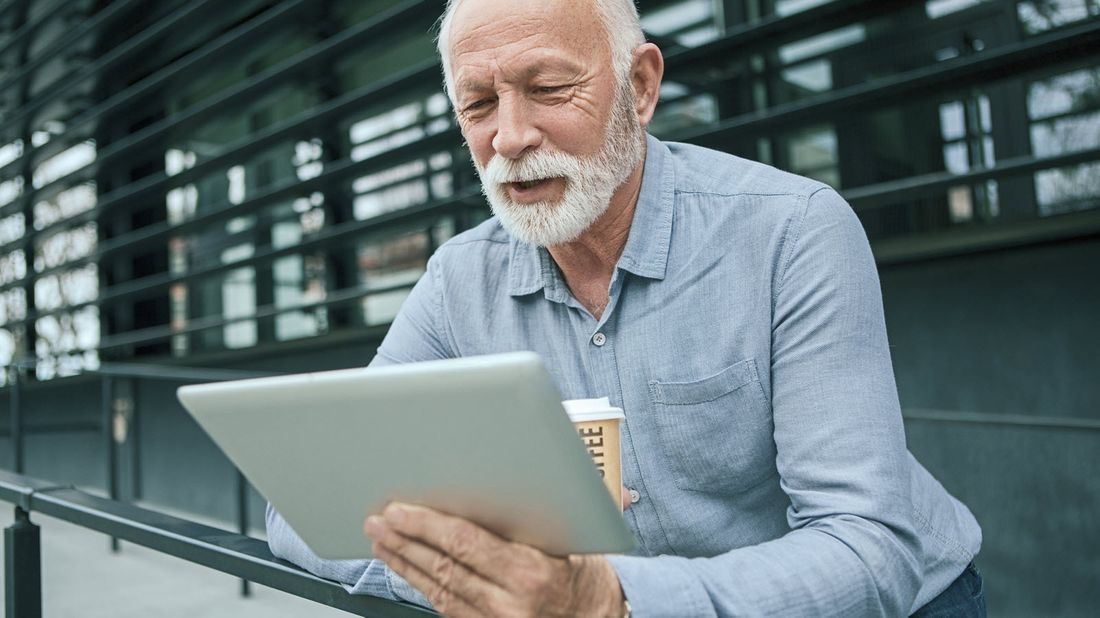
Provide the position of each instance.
(588, 262)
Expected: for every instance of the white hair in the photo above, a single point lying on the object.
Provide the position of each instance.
(620, 21)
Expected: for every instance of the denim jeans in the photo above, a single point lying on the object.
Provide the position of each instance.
(964, 597)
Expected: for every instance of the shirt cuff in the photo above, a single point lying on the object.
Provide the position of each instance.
(373, 581)
(661, 586)
(404, 591)
(378, 580)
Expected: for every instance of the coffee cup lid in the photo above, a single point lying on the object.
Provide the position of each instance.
(583, 410)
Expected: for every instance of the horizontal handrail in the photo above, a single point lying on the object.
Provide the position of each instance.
(228, 552)
(166, 372)
(162, 372)
(1030, 421)
(54, 427)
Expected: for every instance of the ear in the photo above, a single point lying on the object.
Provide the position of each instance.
(646, 73)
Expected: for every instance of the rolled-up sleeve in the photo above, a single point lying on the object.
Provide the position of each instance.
(841, 454)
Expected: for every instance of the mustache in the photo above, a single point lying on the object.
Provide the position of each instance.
(537, 165)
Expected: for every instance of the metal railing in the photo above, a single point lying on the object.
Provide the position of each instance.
(1028, 421)
(108, 375)
(228, 552)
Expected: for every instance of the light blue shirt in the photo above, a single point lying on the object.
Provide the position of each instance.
(745, 342)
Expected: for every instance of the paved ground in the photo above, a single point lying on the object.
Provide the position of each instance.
(83, 579)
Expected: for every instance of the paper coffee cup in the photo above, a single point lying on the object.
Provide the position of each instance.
(598, 425)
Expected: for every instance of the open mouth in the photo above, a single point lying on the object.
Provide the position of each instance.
(530, 184)
(536, 190)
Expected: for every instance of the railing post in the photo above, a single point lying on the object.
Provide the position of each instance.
(242, 521)
(134, 436)
(107, 405)
(22, 568)
(15, 396)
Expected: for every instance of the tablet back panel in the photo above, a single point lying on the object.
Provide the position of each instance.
(481, 437)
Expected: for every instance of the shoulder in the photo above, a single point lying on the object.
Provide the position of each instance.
(486, 241)
(703, 171)
(713, 187)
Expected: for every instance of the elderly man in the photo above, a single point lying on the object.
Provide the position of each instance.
(733, 312)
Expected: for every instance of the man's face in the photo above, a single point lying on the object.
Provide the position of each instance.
(552, 131)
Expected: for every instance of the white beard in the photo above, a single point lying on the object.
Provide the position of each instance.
(589, 181)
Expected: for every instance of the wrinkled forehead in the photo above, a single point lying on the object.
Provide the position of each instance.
(516, 31)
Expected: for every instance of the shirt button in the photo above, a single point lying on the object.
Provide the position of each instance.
(599, 339)
(635, 496)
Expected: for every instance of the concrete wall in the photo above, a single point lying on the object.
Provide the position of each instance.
(1005, 332)
(1010, 332)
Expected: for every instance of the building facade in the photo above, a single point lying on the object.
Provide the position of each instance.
(257, 185)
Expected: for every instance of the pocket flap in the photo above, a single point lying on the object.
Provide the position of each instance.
(708, 389)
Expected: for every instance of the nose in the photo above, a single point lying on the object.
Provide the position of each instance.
(515, 132)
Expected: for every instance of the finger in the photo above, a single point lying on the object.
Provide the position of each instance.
(625, 497)
(444, 569)
(433, 562)
(442, 599)
(450, 587)
(465, 542)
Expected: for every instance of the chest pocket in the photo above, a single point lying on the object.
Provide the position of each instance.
(716, 433)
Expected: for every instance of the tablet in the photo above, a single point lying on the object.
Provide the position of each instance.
(483, 437)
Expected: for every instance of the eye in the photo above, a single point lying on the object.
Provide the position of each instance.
(551, 89)
(477, 105)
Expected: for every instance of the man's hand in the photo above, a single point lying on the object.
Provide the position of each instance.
(465, 570)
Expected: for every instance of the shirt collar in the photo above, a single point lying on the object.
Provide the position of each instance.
(647, 245)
